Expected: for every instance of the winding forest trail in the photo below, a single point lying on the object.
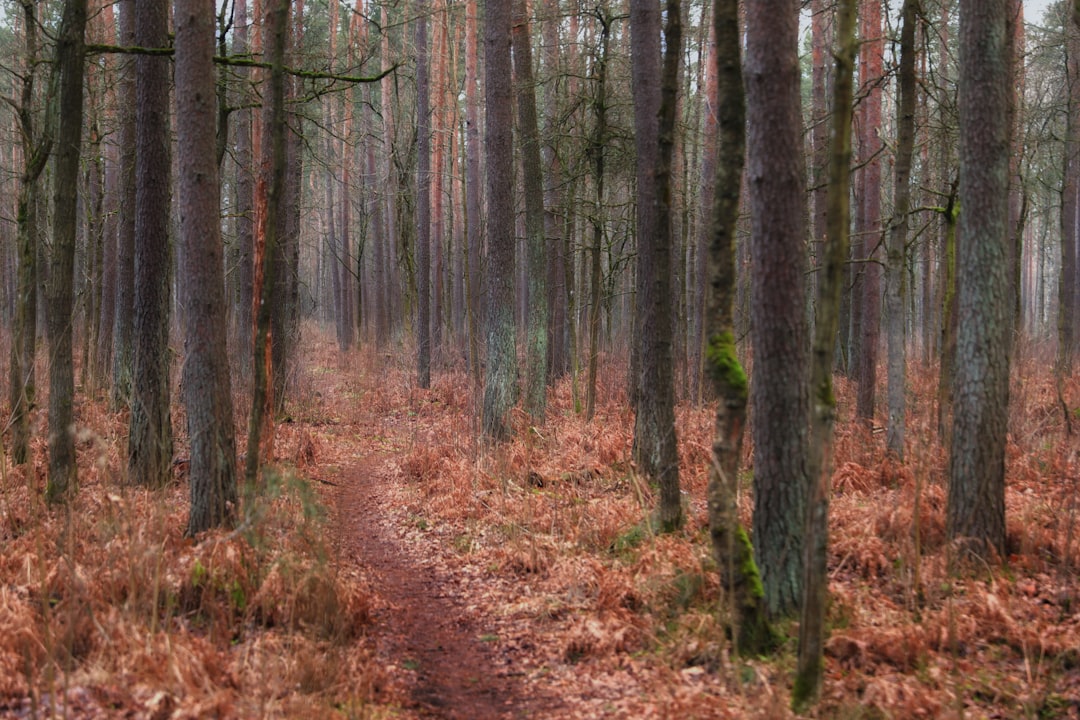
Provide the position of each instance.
(434, 648)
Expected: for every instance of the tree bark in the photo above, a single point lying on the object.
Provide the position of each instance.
(898, 235)
(206, 388)
(472, 189)
(423, 201)
(36, 146)
(777, 196)
(500, 382)
(870, 147)
(124, 326)
(976, 502)
(810, 669)
(268, 198)
(70, 59)
(150, 442)
(536, 349)
(751, 632)
(245, 196)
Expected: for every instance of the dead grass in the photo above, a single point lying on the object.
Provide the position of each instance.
(110, 610)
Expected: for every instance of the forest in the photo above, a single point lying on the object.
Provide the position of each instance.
(460, 359)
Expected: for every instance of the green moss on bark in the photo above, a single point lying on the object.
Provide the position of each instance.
(723, 363)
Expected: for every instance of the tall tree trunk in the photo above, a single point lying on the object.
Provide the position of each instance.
(500, 382)
(207, 392)
(898, 234)
(245, 196)
(150, 442)
(124, 326)
(976, 502)
(36, 146)
(536, 351)
(554, 198)
(284, 318)
(70, 60)
(269, 194)
(777, 195)
(870, 146)
(654, 431)
(810, 669)
(472, 188)
(596, 153)
(645, 80)
(751, 632)
(423, 202)
(1068, 213)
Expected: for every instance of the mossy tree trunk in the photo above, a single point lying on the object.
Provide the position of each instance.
(751, 632)
(810, 669)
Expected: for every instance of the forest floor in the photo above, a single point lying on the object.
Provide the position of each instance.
(390, 566)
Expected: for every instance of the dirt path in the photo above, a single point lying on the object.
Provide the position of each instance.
(432, 646)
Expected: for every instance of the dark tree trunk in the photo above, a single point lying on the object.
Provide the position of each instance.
(536, 350)
(124, 325)
(268, 199)
(500, 382)
(36, 146)
(150, 435)
(751, 632)
(810, 669)
(976, 503)
(554, 199)
(207, 393)
(423, 203)
(898, 235)
(472, 189)
(597, 155)
(777, 205)
(870, 73)
(645, 80)
(655, 420)
(245, 197)
(1069, 195)
(70, 58)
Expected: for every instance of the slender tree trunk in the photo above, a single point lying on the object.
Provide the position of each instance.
(36, 146)
(472, 188)
(656, 401)
(124, 326)
(596, 153)
(554, 198)
(207, 392)
(245, 196)
(751, 633)
(150, 442)
(500, 382)
(268, 198)
(536, 350)
(870, 146)
(423, 201)
(810, 669)
(898, 234)
(645, 81)
(70, 59)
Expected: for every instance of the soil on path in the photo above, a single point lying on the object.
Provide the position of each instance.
(432, 647)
